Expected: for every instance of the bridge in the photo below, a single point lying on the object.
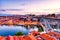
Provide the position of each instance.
(49, 21)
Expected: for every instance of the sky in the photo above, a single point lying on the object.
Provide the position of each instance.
(29, 6)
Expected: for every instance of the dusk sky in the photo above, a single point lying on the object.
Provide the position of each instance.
(29, 6)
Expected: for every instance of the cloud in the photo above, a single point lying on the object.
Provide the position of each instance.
(11, 10)
(28, 6)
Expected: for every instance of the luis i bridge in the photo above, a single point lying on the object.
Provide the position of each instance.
(52, 24)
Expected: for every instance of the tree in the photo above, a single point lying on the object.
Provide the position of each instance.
(18, 33)
(40, 29)
(53, 15)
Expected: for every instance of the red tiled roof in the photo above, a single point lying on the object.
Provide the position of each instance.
(47, 37)
(31, 37)
(58, 35)
(10, 38)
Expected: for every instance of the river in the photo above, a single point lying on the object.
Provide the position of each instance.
(11, 30)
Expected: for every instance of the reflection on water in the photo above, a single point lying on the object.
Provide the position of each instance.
(11, 30)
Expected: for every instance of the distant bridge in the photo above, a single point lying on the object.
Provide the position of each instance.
(48, 21)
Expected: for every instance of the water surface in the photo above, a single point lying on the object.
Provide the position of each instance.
(11, 30)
